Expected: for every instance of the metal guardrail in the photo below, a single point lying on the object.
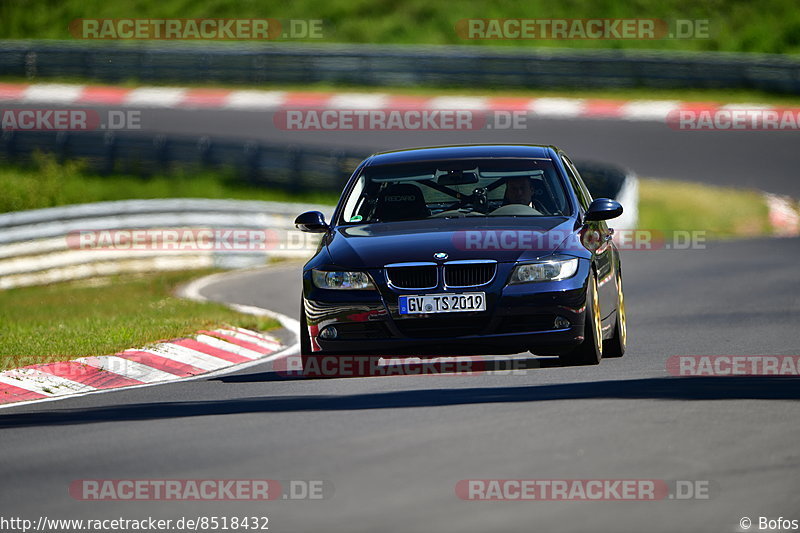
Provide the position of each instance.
(292, 167)
(35, 247)
(18, 226)
(397, 65)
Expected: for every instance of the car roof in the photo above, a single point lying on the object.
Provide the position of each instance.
(463, 151)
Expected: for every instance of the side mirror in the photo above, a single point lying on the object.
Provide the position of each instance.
(603, 209)
(312, 222)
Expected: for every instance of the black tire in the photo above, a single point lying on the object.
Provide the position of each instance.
(305, 338)
(590, 351)
(306, 354)
(615, 347)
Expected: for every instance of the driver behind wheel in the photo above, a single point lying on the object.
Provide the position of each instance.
(519, 190)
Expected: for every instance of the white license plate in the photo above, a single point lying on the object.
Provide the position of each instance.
(442, 303)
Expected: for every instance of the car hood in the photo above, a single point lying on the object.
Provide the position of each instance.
(375, 245)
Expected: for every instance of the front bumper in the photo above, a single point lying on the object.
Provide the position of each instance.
(518, 318)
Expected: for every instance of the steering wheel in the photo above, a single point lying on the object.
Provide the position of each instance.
(454, 205)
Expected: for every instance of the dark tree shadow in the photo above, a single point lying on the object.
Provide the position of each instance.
(666, 388)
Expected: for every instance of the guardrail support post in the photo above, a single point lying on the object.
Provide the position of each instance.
(110, 144)
(9, 138)
(161, 146)
(339, 158)
(62, 139)
(204, 152)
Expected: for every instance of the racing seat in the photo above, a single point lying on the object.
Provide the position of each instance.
(401, 201)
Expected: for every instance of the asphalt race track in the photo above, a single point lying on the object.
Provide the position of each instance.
(761, 160)
(393, 448)
(764, 160)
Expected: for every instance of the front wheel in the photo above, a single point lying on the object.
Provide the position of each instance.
(305, 338)
(590, 351)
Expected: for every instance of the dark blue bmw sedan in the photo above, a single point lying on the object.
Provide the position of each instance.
(468, 249)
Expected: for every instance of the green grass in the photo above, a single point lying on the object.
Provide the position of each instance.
(736, 25)
(46, 183)
(722, 212)
(103, 316)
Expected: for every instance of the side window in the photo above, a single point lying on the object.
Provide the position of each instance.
(354, 202)
(585, 189)
(580, 192)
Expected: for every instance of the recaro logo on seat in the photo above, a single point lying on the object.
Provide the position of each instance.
(406, 198)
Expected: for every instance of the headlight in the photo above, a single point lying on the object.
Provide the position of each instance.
(550, 270)
(324, 279)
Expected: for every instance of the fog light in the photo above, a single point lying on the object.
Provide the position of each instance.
(561, 322)
(329, 333)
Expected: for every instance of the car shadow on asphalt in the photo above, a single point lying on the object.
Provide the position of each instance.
(448, 366)
(662, 388)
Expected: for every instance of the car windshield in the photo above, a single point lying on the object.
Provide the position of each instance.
(455, 189)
